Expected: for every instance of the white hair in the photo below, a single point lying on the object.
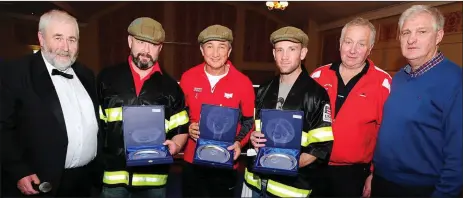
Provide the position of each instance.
(56, 15)
(359, 21)
(439, 19)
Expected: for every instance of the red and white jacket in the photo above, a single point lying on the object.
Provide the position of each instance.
(356, 125)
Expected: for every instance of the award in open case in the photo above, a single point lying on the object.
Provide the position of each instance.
(144, 135)
(217, 126)
(283, 131)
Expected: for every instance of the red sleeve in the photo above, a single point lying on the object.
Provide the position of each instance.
(183, 83)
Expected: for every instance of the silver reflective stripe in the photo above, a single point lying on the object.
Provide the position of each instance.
(116, 177)
(145, 179)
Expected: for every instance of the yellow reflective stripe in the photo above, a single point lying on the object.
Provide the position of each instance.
(166, 124)
(251, 179)
(177, 120)
(257, 123)
(114, 114)
(282, 190)
(102, 116)
(321, 134)
(148, 180)
(116, 177)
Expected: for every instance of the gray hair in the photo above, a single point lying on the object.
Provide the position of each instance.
(56, 15)
(439, 19)
(359, 21)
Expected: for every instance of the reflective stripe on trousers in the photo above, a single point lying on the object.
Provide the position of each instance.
(274, 187)
(122, 177)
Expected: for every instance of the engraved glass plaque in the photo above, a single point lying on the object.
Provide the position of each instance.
(283, 131)
(144, 135)
(217, 128)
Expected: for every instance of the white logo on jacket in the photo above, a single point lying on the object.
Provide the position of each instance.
(228, 95)
(327, 113)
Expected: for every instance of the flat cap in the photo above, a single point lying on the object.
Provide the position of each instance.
(147, 29)
(290, 34)
(215, 33)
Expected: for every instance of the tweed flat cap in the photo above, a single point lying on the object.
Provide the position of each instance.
(215, 33)
(289, 34)
(147, 29)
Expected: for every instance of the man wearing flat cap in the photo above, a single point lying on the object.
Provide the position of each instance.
(217, 82)
(136, 82)
(293, 89)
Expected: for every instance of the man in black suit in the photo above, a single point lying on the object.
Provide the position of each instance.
(49, 115)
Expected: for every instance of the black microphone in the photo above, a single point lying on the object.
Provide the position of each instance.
(44, 187)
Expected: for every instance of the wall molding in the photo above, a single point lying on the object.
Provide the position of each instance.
(30, 17)
(381, 13)
(257, 10)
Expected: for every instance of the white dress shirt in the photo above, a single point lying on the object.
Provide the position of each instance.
(79, 117)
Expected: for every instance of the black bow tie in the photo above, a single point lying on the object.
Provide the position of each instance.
(57, 72)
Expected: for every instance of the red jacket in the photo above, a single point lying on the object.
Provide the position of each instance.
(233, 90)
(356, 125)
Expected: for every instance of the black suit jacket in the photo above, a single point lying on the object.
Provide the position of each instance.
(34, 138)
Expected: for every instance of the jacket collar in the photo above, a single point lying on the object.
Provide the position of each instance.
(293, 99)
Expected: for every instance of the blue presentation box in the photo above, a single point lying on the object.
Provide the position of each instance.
(144, 135)
(217, 127)
(283, 131)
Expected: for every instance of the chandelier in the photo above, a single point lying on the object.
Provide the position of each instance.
(278, 5)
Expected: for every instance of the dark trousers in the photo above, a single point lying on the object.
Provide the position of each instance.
(203, 181)
(341, 181)
(381, 187)
(123, 192)
(75, 182)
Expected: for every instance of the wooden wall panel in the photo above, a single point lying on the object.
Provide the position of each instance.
(257, 37)
(113, 30)
(26, 32)
(259, 77)
(190, 19)
(330, 48)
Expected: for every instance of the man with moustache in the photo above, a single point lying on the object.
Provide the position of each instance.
(357, 90)
(49, 116)
(419, 148)
(139, 81)
(217, 82)
(293, 89)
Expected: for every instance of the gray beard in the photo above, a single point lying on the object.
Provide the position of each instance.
(48, 55)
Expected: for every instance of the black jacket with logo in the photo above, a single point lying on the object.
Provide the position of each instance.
(116, 88)
(308, 96)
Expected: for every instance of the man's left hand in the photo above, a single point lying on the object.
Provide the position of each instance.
(173, 147)
(367, 187)
(237, 147)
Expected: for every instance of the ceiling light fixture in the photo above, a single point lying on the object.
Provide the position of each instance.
(278, 5)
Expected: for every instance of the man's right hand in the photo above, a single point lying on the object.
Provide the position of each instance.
(193, 130)
(25, 184)
(257, 139)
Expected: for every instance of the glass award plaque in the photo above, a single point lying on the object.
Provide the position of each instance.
(217, 128)
(283, 131)
(144, 135)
